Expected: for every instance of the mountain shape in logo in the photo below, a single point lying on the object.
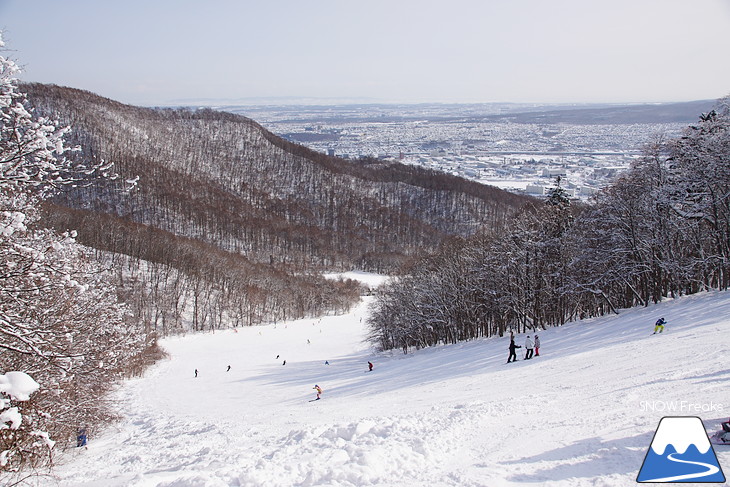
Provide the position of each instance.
(681, 452)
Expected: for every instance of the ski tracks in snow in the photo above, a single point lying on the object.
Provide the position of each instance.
(370, 451)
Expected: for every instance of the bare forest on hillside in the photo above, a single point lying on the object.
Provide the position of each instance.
(239, 220)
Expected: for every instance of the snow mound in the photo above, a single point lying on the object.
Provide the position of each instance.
(18, 385)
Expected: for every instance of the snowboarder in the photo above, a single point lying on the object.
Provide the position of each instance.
(659, 325)
(529, 344)
(537, 346)
(319, 391)
(370, 366)
(512, 350)
(81, 438)
(326, 362)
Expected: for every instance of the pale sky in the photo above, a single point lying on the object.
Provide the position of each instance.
(155, 52)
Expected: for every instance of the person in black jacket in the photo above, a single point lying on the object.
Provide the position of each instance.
(512, 350)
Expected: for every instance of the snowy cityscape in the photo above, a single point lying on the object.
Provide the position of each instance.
(480, 142)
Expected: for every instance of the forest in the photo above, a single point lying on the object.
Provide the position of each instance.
(662, 229)
(239, 222)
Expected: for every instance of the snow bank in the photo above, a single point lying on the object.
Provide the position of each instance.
(18, 385)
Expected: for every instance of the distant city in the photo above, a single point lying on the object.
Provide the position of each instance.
(517, 147)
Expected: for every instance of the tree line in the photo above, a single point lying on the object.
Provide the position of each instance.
(224, 179)
(177, 284)
(662, 229)
(231, 225)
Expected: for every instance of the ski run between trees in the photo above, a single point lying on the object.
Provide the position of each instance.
(581, 414)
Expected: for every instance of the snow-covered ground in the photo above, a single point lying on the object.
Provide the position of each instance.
(583, 413)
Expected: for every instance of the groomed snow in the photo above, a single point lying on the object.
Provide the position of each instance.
(582, 414)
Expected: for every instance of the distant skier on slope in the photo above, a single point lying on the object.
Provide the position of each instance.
(659, 325)
(370, 366)
(537, 346)
(81, 438)
(512, 350)
(529, 344)
(319, 391)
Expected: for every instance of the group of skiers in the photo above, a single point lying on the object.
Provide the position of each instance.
(534, 345)
(532, 348)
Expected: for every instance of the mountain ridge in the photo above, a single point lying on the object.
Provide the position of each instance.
(269, 214)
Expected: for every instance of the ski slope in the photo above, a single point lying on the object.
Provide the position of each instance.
(583, 413)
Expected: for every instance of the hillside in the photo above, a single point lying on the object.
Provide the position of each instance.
(230, 225)
(224, 180)
(581, 414)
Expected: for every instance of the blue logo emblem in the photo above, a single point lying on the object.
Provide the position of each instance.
(681, 452)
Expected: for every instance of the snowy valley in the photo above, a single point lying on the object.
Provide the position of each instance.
(583, 413)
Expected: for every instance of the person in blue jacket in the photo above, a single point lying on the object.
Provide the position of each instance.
(81, 438)
(659, 325)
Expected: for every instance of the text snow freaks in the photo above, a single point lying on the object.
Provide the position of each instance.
(680, 407)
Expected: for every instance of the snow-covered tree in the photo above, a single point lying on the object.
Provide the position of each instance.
(661, 229)
(60, 320)
(701, 189)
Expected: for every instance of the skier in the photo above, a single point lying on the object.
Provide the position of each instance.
(196, 372)
(528, 347)
(537, 346)
(659, 325)
(370, 366)
(512, 350)
(284, 362)
(228, 369)
(319, 391)
(81, 438)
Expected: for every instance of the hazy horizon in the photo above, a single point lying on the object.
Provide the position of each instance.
(405, 52)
